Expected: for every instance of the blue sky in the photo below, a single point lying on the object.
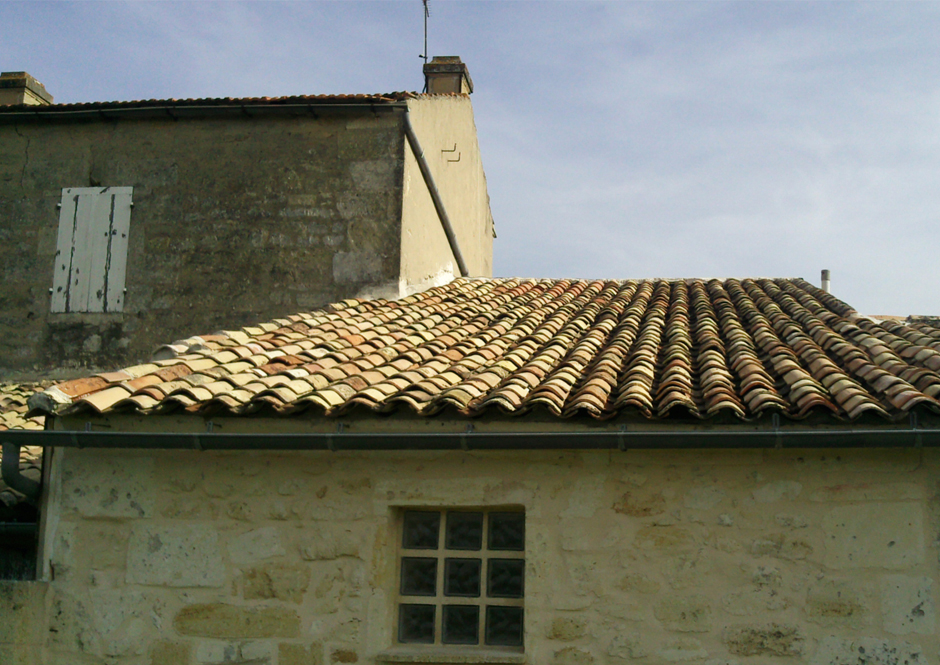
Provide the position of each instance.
(620, 140)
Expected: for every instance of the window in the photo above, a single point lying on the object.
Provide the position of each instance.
(91, 251)
(462, 578)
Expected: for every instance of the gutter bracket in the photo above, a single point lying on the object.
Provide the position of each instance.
(918, 438)
(778, 435)
(464, 444)
(622, 439)
(197, 444)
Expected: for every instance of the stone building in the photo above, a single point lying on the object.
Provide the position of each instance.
(127, 224)
(563, 472)
(501, 471)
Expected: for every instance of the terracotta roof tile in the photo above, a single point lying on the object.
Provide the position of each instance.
(658, 348)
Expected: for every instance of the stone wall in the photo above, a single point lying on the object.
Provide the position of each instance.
(236, 220)
(717, 557)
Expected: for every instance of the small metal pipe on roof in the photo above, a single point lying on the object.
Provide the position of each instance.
(435, 195)
(824, 281)
(12, 475)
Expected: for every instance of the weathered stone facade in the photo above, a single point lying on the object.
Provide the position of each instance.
(236, 219)
(718, 557)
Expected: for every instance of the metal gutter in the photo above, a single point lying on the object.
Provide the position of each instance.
(435, 194)
(10, 466)
(470, 440)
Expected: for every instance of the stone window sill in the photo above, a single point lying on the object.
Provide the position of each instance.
(446, 656)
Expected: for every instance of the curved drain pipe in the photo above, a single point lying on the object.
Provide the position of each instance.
(12, 475)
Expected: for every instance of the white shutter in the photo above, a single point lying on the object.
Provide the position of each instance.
(91, 254)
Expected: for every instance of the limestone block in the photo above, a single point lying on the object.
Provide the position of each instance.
(907, 605)
(628, 646)
(573, 656)
(175, 555)
(164, 652)
(870, 492)
(791, 521)
(664, 538)
(754, 602)
(277, 581)
(771, 639)
(777, 491)
(704, 498)
(102, 544)
(106, 484)
(838, 604)
(124, 620)
(248, 653)
(22, 608)
(299, 654)
(688, 569)
(256, 545)
(867, 651)
(329, 542)
(638, 583)
(681, 651)
(221, 621)
(686, 613)
(585, 498)
(568, 629)
(343, 655)
(599, 533)
(782, 546)
(12, 654)
(640, 503)
(885, 535)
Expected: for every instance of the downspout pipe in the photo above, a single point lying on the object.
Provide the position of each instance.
(12, 476)
(435, 194)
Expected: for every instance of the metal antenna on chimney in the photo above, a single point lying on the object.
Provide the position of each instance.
(427, 14)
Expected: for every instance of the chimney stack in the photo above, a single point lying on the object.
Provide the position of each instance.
(824, 282)
(446, 73)
(21, 88)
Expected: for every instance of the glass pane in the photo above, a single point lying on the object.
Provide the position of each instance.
(462, 577)
(504, 578)
(416, 623)
(507, 531)
(418, 576)
(461, 624)
(504, 626)
(464, 531)
(421, 530)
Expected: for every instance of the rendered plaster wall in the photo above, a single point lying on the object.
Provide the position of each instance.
(742, 557)
(446, 130)
(236, 220)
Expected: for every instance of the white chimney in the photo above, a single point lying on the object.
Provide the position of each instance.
(825, 281)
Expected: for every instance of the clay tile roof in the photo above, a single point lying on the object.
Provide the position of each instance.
(657, 349)
(13, 409)
(215, 102)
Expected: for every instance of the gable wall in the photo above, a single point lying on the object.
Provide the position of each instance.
(236, 220)
(445, 128)
(735, 556)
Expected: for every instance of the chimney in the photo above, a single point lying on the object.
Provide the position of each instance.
(824, 282)
(446, 73)
(21, 88)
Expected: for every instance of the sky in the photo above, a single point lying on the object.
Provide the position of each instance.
(620, 139)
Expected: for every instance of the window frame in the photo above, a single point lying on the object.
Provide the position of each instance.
(439, 600)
